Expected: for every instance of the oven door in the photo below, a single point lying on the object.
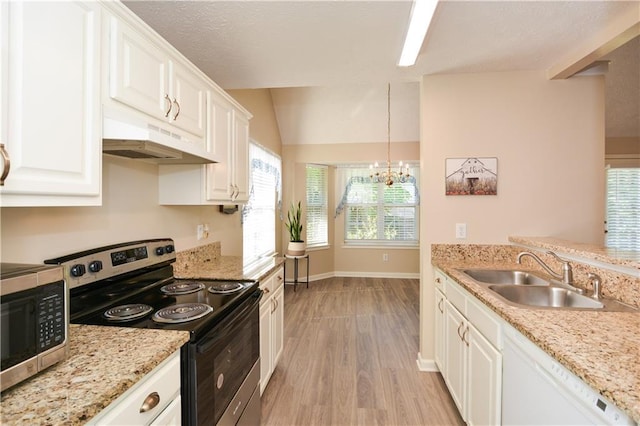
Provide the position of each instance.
(219, 362)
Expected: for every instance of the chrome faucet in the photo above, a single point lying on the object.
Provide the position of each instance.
(567, 271)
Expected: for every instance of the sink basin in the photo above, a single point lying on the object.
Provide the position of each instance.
(547, 297)
(496, 276)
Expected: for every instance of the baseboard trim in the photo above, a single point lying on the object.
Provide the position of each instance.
(404, 275)
(428, 365)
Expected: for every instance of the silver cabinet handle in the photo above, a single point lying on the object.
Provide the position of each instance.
(150, 402)
(178, 105)
(460, 335)
(166, 114)
(6, 164)
(464, 336)
(440, 306)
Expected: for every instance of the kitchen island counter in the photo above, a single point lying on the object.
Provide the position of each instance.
(103, 363)
(599, 347)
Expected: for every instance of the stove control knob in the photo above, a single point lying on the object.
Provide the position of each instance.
(95, 266)
(169, 248)
(159, 251)
(77, 270)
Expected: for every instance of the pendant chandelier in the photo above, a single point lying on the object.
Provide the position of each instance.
(386, 175)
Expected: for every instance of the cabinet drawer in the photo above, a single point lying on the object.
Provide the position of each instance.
(456, 296)
(164, 380)
(485, 321)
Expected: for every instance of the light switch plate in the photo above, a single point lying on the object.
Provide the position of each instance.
(461, 230)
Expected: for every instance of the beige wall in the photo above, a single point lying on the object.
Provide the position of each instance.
(623, 146)
(337, 259)
(130, 211)
(548, 137)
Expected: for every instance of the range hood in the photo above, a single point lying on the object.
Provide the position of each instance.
(149, 143)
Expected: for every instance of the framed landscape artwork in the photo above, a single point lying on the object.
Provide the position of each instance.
(471, 176)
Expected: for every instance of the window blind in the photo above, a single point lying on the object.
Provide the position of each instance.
(380, 214)
(259, 214)
(623, 208)
(317, 205)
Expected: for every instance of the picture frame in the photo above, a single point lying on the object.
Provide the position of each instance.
(471, 176)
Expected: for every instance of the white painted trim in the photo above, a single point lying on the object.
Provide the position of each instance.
(402, 275)
(428, 365)
(399, 275)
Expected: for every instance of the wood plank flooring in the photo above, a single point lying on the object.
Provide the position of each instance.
(350, 349)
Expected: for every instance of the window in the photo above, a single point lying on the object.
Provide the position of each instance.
(317, 230)
(623, 208)
(376, 213)
(259, 214)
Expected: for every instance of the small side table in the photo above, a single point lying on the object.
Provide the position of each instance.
(296, 279)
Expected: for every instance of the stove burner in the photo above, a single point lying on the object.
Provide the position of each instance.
(225, 287)
(182, 312)
(184, 287)
(127, 312)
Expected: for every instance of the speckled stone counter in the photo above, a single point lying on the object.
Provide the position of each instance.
(206, 262)
(103, 363)
(626, 258)
(602, 348)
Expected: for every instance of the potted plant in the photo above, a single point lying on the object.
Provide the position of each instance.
(294, 225)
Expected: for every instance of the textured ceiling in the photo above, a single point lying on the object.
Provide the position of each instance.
(298, 43)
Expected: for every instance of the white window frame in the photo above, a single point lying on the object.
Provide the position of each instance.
(622, 201)
(259, 215)
(362, 173)
(317, 213)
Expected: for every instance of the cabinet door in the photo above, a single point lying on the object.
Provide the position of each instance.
(484, 381)
(171, 416)
(265, 343)
(190, 109)
(277, 321)
(51, 102)
(138, 72)
(241, 157)
(219, 175)
(440, 355)
(456, 350)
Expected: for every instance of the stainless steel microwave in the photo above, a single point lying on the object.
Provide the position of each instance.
(34, 320)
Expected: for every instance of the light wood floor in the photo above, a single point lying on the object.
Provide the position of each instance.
(349, 358)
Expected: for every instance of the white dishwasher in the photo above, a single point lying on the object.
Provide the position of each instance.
(537, 390)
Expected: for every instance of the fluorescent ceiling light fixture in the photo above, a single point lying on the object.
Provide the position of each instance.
(421, 14)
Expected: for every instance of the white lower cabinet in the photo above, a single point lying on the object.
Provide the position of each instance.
(154, 400)
(468, 340)
(271, 325)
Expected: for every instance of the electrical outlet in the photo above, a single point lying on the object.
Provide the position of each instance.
(200, 232)
(205, 233)
(385, 257)
(461, 231)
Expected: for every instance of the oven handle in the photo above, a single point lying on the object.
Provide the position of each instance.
(238, 318)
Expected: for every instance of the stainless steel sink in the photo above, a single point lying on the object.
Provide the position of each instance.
(546, 297)
(496, 276)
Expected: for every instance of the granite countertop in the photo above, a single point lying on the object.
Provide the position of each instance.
(207, 262)
(602, 348)
(625, 258)
(103, 363)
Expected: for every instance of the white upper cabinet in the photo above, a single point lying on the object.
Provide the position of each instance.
(50, 118)
(226, 181)
(146, 77)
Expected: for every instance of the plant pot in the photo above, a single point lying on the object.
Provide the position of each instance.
(296, 248)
